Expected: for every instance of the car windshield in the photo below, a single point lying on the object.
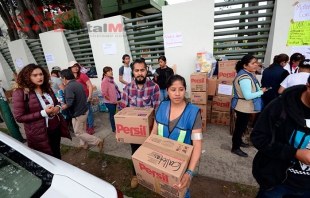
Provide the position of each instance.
(15, 181)
(21, 175)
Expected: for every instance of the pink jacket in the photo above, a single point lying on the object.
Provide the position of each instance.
(108, 89)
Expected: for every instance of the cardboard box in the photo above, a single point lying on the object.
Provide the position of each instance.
(199, 81)
(199, 97)
(160, 163)
(203, 110)
(221, 103)
(204, 125)
(219, 117)
(134, 124)
(212, 86)
(227, 69)
(224, 87)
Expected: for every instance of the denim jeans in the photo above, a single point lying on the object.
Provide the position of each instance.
(90, 118)
(280, 191)
(163, 94)
(112, 110)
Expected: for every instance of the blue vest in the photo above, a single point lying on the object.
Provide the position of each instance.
(258, 102)
(183, 129)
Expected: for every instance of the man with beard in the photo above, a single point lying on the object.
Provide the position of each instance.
(141, 92)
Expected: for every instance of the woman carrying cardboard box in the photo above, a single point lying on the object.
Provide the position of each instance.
(181, 121)
(246, 100)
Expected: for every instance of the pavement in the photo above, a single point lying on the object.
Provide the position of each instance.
(216, 159)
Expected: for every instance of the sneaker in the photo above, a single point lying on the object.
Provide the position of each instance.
(134, 182)
(85, 147)
(100, 145)
(91, 130)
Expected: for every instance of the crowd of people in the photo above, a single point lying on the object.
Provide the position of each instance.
(280, 102)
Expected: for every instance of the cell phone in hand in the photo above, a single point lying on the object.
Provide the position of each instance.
(268, 88)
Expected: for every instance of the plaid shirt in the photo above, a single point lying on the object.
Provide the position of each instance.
(147, 96)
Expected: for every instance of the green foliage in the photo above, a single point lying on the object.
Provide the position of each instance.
(69, 20)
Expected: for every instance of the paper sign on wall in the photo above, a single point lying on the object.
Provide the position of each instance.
(303, 50)
(173, 40)
(109, 48)
(49, 58)
(225, 89)
(299, 34)
(302, 11)
(19, 63)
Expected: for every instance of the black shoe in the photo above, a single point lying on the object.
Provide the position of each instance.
(239, 152)
(245, 145)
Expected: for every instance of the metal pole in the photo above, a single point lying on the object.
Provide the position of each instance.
(9, 119)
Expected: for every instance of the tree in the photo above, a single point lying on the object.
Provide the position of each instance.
(82, 11)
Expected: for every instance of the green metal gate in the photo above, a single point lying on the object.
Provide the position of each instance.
(8, 58)
(79, 43)
(145, 37)
(245, 31)
(37, 52)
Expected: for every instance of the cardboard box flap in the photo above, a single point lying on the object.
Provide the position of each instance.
(175, 146)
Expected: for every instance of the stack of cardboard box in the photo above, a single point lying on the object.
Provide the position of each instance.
(199, 94)
(222, 100)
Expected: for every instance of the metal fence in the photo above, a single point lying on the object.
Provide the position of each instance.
(242, 27)
(8, 58)
(37, 52)
(79, 43)
(145, 37)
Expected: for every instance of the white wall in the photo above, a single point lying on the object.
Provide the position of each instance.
(195, 19)
(101, 60)
(20, 50)
(282, 14)
(55, 43)
(6, 74)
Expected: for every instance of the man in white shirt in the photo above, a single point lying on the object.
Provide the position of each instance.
(299, 78)
(125, 76)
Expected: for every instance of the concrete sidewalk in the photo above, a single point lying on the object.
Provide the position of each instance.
(216, 159)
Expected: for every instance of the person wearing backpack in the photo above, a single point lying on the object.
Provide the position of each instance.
(35, 105)
(125, 73)
(282, 137)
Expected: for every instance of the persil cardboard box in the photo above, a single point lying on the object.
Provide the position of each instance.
(219, 117)
(134, 124)
(227, 69)
(203, 110)
(199, 97)
(160, 163)
(212, 85)
(204, 125)
(224, 87)
(221, 103)
(199, 81)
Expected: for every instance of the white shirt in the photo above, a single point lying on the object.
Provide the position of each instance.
(126, 75)
(295, 79)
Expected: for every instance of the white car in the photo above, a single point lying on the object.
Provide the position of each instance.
(28, 173)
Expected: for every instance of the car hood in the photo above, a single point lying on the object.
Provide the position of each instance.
(63, 170)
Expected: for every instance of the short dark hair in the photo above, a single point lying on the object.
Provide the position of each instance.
(138, 61)
(124, 56)
(67, 74)
(163, 58)
(55, 72)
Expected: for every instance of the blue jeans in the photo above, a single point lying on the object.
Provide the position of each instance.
(90, 118)
(187, 194)
(163, 94)
(280, 191)
(112, 110)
